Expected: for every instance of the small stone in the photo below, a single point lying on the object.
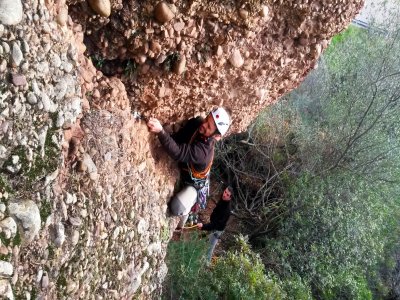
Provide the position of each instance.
(60, 235)
(67, 67)
(62, 16)
(11, 12)
(244, 14)
(6, 269)
(39, 275)
(75, 221)
(75, 237)
(31, 98)
(81, 166)
(236, 59)
(6, 290)
(46, 28)
(16, 55)
(25, 47)
(155, 46)
(3, 66)
(9, 227)
(102, 7)
(18, 79)
(141, 59)
(163, 13)
(179, 26)
(55, 60)
(180, 65)
(6, 47)
(264, 11)
(220, 51)
(45, 280)
(26, 213)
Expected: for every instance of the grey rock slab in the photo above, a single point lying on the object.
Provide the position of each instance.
(11, 12)
(28, 216)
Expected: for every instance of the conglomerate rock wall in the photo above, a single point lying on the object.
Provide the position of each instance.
(84, 186)
(190, 56)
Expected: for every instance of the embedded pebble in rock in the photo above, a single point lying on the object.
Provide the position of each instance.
(180, 65)
(102, 7)
(3, 65)
(25, 47)
(6, 47)
(6, 269)
(75, 237)
(163, 13)
(9, 227)
(27, 214)
(264, 11)
(236, 59)
(18, 79)
(10, 12)
(62, 16)
(55, 60)
(60, 235)
(31, 98)
(45, 280)
(6, 290)
(16, 55)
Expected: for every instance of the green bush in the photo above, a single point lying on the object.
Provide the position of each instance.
(241, 275)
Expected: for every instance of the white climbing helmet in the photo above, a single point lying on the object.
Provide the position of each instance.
(221, 119)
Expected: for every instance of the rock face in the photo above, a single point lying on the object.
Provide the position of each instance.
(279, 42)
(98, 181)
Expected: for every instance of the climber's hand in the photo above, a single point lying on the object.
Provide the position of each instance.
(199, 225)
(154, 125)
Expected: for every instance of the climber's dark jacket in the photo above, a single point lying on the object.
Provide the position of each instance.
(199, 153)
(219, 217)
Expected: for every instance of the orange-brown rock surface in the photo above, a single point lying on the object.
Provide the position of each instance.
(241, 54)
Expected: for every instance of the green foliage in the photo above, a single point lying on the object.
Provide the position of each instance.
(296, 289)
(241, 275)
(170, 61)
(45, 209)
(187, 276)
(130, 68)
(98, 61)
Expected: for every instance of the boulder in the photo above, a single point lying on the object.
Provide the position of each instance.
(28, 218)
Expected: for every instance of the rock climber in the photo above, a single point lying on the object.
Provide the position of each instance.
(218, 219)
(193, 147)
